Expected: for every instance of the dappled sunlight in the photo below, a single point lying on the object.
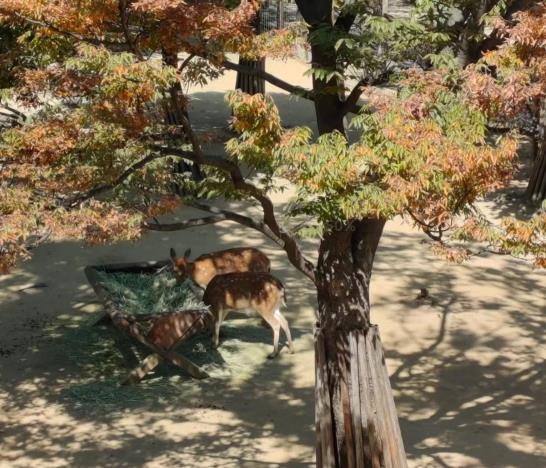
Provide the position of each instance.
(60, 396)
(466, 360)
(465, 364)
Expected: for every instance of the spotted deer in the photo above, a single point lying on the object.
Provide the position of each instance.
(259, 292)
(205, 267)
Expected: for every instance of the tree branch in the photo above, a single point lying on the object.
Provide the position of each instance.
(290, 246)
(427, 228)
(218, 216)
(292, 89)
(351, 103)
(354, 96)
(275, 81)
(244, 220)
(185, 62)
(44, 24)
(79, 199)
(196, 222)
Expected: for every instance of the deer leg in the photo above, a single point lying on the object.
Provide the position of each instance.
(276, 327)
(216, 331)
(286, 328)
(197, 290)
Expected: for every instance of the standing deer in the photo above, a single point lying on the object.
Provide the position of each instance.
(205, 267)
(261, 292)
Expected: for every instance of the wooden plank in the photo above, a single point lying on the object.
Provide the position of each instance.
(366, 395)
(379, 446)
(323, 421)
(148, 364)
(358, 422)
(395, 445)
(343, 394)
(193, 369)
(170, 355)
(169, 330)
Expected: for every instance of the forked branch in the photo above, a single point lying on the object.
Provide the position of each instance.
(290, 246)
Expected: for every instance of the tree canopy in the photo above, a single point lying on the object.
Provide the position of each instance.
(94, 159)
(96, 156)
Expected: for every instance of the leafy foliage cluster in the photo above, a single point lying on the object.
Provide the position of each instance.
(95, 158)
(95, 90)
(423, 155)
(515, 72)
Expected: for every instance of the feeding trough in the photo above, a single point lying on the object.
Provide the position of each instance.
(161, 331)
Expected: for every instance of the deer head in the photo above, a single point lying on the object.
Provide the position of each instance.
(182, 266)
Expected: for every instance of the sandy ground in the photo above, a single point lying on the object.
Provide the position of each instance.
(466, 364)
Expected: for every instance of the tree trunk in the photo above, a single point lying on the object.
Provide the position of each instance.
(328, 105)
(536, 190)
(246, 82)
(175, 111)
(356, 421)
(355, 416)
(470, 49)
(249, 83)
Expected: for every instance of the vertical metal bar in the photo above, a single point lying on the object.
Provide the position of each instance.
(280, 14)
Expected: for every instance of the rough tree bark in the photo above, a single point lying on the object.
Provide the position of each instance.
(248, 82)
(174, 112)
(356, 421)
(536, 190)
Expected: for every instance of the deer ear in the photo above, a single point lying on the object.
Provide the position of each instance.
(187, 253)
(173, 254)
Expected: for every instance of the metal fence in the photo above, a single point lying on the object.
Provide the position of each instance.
(277, 14)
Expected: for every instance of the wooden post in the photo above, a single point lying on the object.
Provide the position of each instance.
(371, 433)
(323, 409)
(249, 83)
(536, 190)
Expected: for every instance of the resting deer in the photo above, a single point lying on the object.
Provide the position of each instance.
(207, 266)
(260, 292)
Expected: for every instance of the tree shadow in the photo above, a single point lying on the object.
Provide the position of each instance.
(465, 361)
(470, 387)
(61, 402)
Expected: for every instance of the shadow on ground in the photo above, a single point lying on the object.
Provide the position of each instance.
(465, 360)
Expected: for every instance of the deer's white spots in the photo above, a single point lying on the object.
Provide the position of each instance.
(204, 268)
(241, 291)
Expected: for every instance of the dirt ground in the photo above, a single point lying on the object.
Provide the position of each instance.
(466, 363)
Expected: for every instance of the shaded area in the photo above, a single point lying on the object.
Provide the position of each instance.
(466, 360)
(471, 387)
(60, 376)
